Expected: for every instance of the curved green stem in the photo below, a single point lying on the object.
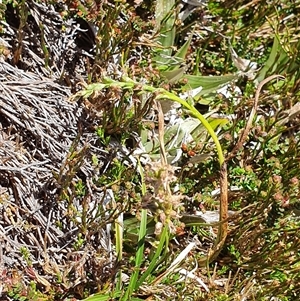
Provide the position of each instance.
(129, 84)
(223, 211)
(202, 119)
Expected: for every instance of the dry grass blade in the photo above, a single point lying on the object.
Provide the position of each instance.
(246, 131)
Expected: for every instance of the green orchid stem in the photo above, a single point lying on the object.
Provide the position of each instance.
(223, 211)
(161, 94)
(164, 94)
(202, 119)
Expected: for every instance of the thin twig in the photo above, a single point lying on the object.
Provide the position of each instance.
(246, 131)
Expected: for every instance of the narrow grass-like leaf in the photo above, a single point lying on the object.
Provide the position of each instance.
(105, 297)
(132, 229)
(138, 256)
(279, 61)
(154, 262)
(119, 245)
(271, 60)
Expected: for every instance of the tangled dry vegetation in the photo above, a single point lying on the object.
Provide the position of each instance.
(46, 141)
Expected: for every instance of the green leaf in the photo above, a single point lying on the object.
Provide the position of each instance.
(178, 58)
(132, 225)
(208, 83)
(164, 238)
(177, 132)
(173, 75)
(102, 297)
(105, 297)
(199, 133)
(181, 53)
(138, 257)
(280, 61)
(271, 60)
(171, 96)
(165, 23)
(216, 122)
